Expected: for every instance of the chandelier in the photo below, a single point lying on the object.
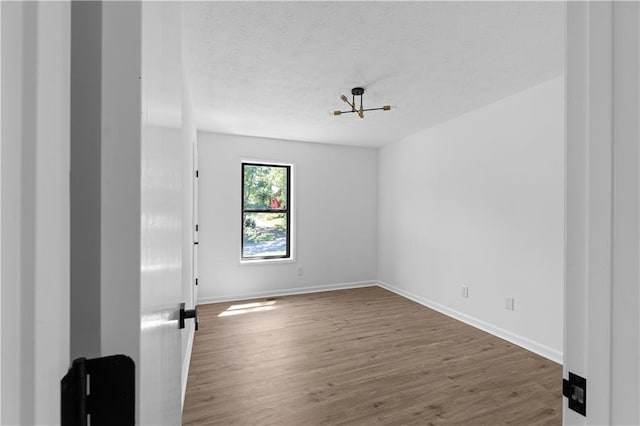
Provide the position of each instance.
(358, 91)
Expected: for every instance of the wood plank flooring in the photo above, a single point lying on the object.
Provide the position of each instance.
(362, 356)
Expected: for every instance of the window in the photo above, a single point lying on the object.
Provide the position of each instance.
(266, 211)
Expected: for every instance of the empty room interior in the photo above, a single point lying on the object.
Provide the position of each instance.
(451, 202)
(301, 213)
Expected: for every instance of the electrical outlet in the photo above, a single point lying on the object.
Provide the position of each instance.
(509, 304)
(300, 272)
(465, 291)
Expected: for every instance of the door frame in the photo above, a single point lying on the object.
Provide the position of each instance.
(34, 166)
(602, 300)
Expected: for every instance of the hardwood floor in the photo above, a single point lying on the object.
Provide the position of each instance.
(360, 356)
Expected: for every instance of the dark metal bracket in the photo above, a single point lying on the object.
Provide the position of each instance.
(575, 389)
(187, 313)
(103, 389)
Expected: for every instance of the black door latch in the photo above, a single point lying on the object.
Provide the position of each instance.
(187, 313)
(575, 389)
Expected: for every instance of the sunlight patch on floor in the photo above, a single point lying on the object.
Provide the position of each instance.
(247, 308)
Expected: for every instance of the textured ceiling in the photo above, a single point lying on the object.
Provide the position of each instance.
(277, 69)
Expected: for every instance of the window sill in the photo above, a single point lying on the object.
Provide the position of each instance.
(266, 261)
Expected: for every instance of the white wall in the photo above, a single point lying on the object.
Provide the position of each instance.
(478, 201)
(335, 210)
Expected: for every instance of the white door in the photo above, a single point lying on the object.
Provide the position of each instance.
(161, 278)
(166, 151)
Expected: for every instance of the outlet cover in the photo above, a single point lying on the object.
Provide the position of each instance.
(509, 303)
(300, 272)
(465, 291)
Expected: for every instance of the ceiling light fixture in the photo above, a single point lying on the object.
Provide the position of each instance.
(358, 91)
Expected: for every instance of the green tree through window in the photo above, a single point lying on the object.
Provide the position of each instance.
(265, 211)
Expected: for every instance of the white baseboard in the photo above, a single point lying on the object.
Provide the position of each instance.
(186, 363)
(286, 292)
(528, 344)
